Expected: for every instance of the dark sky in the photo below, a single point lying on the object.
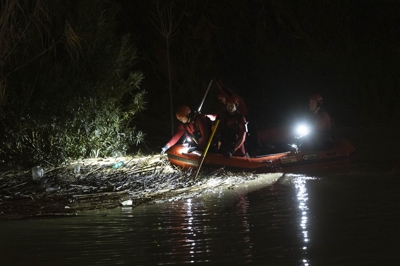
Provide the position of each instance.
(274, 54)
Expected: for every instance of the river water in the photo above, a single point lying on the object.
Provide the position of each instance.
(341, 216)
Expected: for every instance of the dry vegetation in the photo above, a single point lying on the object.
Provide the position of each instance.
(61, 192)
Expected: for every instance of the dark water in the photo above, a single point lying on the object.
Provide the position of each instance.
(347, 216)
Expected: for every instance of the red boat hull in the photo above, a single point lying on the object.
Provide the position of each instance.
(341, 153)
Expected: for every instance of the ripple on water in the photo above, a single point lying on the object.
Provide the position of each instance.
(334, 218)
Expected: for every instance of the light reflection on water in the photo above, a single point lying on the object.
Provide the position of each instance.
(299, 220)
(302, 198)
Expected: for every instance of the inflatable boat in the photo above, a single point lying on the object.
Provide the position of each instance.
(291, 160)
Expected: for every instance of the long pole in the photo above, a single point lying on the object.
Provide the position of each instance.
(206, 150)
(204, 97)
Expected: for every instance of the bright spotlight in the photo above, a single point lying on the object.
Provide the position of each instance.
(302, 130)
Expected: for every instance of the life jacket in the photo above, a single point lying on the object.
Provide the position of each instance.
(194, 133)
(228, 129)
(325, 133)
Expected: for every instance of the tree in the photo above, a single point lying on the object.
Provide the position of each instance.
(165, 23)
(72, 90)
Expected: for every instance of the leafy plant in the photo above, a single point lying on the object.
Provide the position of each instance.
(91, 128)
(72, 88)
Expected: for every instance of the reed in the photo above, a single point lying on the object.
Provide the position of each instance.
(99, 186)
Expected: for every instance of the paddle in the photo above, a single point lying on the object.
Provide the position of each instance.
(206, 150)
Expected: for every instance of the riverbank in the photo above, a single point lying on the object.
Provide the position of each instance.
(62, 192)
(151, 178)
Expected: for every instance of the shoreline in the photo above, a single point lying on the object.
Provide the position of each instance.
(151, 178)
(61, 192)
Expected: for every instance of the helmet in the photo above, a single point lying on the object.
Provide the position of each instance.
(182, 111)
(221, 96)
(317, 98)
(233, 99)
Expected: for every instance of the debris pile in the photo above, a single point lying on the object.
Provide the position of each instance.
(96, 184)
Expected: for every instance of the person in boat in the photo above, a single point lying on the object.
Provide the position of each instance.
(251, 143)
(231, 133)
(320, 135)
(224, 92)
(195, 128)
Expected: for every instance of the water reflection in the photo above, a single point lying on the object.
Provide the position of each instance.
(201, 230)
(302, 198)
(297, 221)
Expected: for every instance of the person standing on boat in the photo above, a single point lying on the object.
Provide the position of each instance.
(195, 128)
(224, 93)
(320, 136)
(251, 143)
(231, 133)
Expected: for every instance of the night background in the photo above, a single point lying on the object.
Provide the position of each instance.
(88, 94)
(64, 62)
(274, 54)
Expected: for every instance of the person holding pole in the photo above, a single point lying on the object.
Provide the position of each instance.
(195, 128)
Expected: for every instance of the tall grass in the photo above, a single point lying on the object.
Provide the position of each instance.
(68, 85)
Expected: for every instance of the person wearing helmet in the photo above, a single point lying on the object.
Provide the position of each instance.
(195, 128)
(231, 133)
(321, 117)
(224, 93)
(320, 136)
